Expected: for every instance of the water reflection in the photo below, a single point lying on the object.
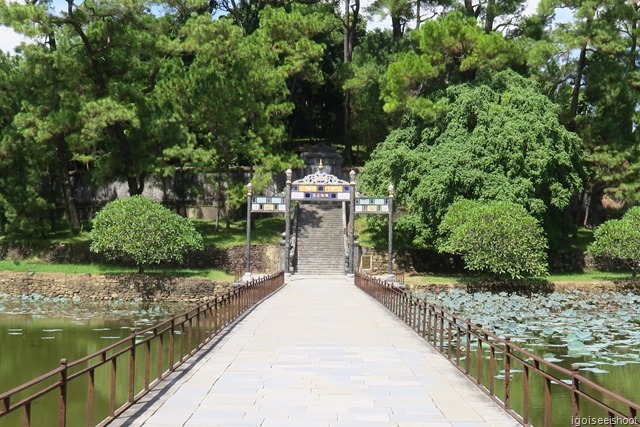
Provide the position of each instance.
(36, 333)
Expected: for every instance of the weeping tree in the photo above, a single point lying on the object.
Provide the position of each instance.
(497, 138)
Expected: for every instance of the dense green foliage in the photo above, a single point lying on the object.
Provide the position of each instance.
(143, 230)
(619, 239)
(456, 100)
(497, 138)
(500, 237)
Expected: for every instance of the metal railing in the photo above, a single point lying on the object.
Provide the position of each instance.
(479, 354)
(131, 366)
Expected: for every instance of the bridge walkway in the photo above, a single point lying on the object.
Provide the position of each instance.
(320, 352)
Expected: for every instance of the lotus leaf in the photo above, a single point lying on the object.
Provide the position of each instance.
(582, 335)
(550, 357)
(596, 370)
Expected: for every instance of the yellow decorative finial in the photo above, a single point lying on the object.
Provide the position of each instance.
(320, 166)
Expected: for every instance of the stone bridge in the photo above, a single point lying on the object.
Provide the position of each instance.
(320, 352)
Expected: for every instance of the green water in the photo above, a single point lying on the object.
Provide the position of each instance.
(35, 334)
(621, 379)
(598, 331)
(620, 375)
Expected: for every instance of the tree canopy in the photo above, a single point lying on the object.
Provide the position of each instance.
(497, 138)
(468, 99)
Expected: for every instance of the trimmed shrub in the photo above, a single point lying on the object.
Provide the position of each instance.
(619, 239)
(500, 237)
(144, 230)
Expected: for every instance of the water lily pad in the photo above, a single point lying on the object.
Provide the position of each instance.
(582, 335)
(596, 370)
(550, 357)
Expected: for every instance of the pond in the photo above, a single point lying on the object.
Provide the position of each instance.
(37, 332)
(598, 331)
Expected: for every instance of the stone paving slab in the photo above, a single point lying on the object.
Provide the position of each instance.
(320, 352)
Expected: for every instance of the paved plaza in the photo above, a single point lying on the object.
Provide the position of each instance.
(320, 352)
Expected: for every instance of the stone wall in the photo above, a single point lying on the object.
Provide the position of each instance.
(576, 260)
(417, 260)
(121, 287)
(429, 261)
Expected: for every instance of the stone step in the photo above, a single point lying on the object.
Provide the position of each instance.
(321, 273)
(310, 259)
(320, 247)
(316, 259)
(316, 268)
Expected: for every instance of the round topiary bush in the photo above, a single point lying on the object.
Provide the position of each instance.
(500, 237)
(619, 239)
(144, 230)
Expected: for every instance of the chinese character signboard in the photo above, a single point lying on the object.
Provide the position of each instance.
(268, 204)
(367, 205)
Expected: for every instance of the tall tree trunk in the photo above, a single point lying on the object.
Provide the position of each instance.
(219, 202)
(468, 7)
(586, 204)
(347, 32)
(491, 16)
(348, 145)
(575, 96)
(350, 27)
(634, 41)
(577, 84)
(396, 29)
(418, 14)
(135, 182)
(63, 158)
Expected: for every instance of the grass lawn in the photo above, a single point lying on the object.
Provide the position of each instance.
(365, 236)
(36, 266)
(266, 230)
(591, 276)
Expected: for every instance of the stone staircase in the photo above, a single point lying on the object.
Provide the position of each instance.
(320, 242)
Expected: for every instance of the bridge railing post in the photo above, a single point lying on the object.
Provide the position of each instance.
(575, 387)
(449, 337)
(467, 360)
(525, 394)
(132, 364)
(479, 358)
(458, 342)
(492, 369)
(507, 372)
(62, 400)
